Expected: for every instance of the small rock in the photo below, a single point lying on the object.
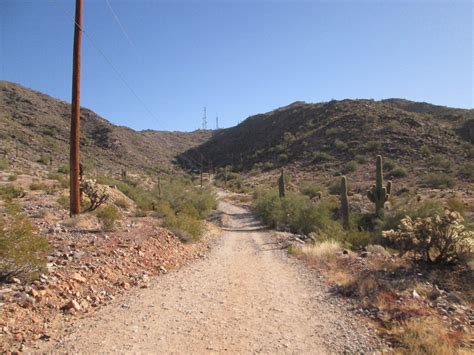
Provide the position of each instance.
(73, 304)
(78, 277)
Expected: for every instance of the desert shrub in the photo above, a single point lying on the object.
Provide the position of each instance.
(456, 204)
(389, 164)
(36, 186)
(12, 177)
(426, 335)
(21, 248)
(310, 189)
(469, 149)
(356, 239)
(283, 157)
(142, 198)
(438, 239)
(321, 156)
(10, 191)
(392, 125)
(335, 187)
(334, 130)
(44, 160)
(440, 161)
(96, 194)
(373, 146)
(340, 145)
(63, 179)
(397, 172)
(295, 211)
(63, 201)
(350, 167)
(438, 181)
(63, 169)
(107, 216)
(425, 150)
(412, 208)
(4, 164)
(122, 203)
(361, 159)
(467, 171)
(268, 207)
(187, 228)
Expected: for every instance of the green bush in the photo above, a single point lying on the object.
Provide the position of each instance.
(63, 169)
(321, 157)
(397, 172)
(334, 130)
(12, 177)
(268, 207)
(350, 167)
(310, 189)
(361, 159)
(186, 227)
(467, 171)
(10, 191)
(389, 164)
(340, 145)
(440, 161)
(438, 181)
(4, 165)
(107, 216)
(35, 186)
(63, 201)
(22, 250)
(44, 160)
(412, 208)
(373, 146)
(425, 150)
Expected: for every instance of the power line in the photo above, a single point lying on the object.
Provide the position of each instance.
(117, 72)
(122, 28)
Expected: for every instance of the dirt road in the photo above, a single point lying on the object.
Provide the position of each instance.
(245, 296)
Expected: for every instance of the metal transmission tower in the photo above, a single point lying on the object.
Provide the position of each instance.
(204, 120)
(217, 122)
(74, 188)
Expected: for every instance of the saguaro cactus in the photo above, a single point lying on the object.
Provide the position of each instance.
(379, 194)
(281, 184)
(344, 203)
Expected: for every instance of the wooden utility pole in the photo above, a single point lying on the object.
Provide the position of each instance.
(74, 161)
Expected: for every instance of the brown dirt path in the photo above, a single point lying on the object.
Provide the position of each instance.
(245, 296)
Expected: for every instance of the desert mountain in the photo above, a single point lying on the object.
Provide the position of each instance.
(328, 136)
(36, 127)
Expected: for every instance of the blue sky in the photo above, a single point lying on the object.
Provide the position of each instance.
(239, 58)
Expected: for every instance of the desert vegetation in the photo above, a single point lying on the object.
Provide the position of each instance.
(398, 234)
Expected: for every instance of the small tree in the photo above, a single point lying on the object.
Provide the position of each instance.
(21, 248)
(437, 239)
(96, 194)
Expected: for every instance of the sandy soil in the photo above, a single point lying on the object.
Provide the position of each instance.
(245, 296)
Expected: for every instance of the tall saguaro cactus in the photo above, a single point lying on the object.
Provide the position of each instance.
(379, 194)
(281, 184)
(344, 203)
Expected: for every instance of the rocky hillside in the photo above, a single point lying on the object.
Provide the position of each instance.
(341, 136)
(35, 127)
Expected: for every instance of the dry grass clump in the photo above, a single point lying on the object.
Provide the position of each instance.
(426, 335)
(324, 251)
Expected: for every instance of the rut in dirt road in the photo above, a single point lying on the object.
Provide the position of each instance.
(245, 296)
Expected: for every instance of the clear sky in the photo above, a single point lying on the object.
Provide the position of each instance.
(239, 58)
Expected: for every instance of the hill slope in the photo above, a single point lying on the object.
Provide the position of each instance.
(35, 125)
(327, 136)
